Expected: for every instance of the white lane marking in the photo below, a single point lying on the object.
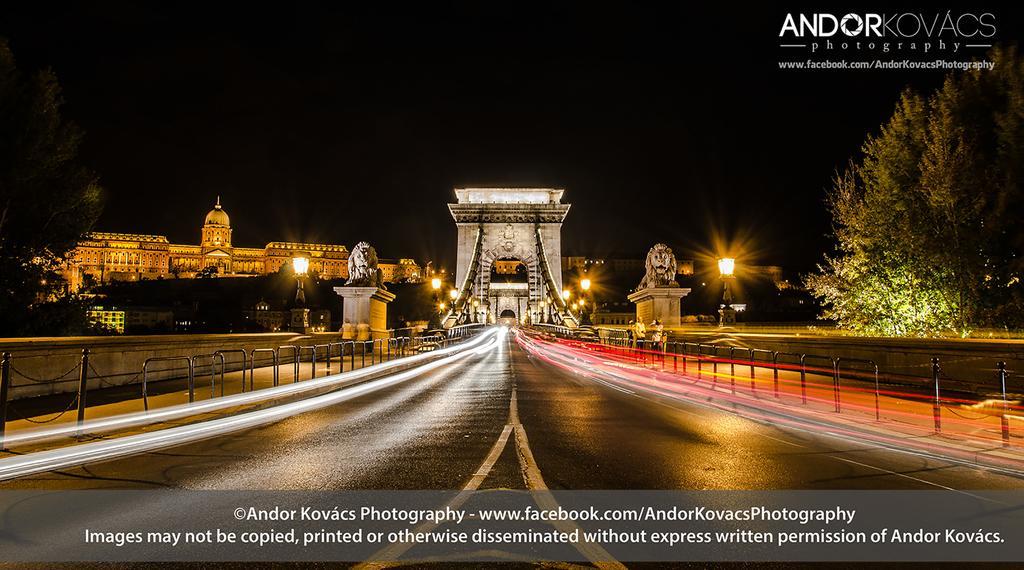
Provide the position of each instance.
(780, 440)
(389, 555)
(594, 552)
(492, 458)
(904, 475)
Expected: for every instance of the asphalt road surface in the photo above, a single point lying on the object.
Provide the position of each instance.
(502, 419)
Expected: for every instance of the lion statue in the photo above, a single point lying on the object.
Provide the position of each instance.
(362, 267)
(661, 268)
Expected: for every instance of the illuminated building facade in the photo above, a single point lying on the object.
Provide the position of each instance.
(103, 257)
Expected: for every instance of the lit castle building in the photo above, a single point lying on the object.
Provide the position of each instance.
(103, 257)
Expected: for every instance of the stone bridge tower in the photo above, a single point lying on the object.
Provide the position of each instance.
(510, 256)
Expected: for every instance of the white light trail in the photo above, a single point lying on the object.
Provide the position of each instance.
(136, 419)
(20, 466)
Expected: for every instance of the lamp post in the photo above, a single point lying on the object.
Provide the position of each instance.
(453, 294)
(300, 313)
(585, 288)
(438, 306)
(726, 314)
(300, 264)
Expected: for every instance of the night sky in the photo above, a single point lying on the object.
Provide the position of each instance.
(338, 122)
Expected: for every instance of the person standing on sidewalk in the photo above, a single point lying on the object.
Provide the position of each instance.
(639, 332)
(659, 335)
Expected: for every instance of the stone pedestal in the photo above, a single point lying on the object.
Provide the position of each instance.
(365, 309)
(299, 320)
(726, 316)
(661, 303)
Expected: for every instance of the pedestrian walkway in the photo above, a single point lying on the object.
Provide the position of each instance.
(55, 410)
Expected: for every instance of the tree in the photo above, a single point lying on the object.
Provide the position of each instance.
(925, 222)
(48, 200)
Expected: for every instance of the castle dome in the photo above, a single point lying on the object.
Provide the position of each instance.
(217, 216)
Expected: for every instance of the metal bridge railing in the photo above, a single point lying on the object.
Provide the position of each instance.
(865, 373)
(345, 352)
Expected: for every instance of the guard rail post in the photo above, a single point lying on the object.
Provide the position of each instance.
(1004, 421)
(937, 404)
(775, 371)
(83, 380)
(803, 378)
(5, 385)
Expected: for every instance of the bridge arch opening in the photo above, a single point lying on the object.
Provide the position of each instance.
(509, 255)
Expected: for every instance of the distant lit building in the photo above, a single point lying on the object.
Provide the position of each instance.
(112, 318)
(396, 271)
(619, 265)
(103, 257)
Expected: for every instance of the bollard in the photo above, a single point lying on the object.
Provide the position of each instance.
(1004, 421)
(5, 384)
(937, 407)
(83, 379)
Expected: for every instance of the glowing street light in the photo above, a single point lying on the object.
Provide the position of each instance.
(726, 314)
(300, 263)
(454, 294)
(435, 284)
(585, 288)
(566, 294)
(727, 266)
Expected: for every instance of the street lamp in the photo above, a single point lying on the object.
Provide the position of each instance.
(435, 319)
(300, 264)
(454, 294)
(726, 314)
(727, 266)
(585, 287)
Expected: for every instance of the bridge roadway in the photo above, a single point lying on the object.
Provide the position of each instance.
(502, 419)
